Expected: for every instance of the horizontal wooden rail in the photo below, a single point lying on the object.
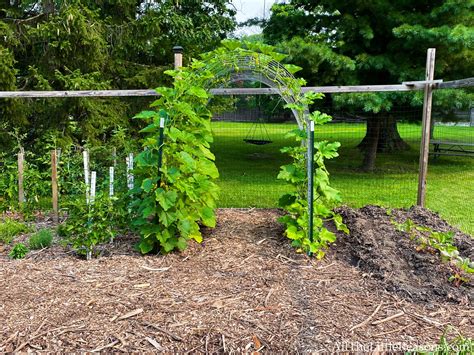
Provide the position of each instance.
(408, 86)
(462, 83)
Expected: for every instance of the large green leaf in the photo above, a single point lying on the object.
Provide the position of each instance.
(166, 199)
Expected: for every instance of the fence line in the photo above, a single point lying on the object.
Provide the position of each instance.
(407, 86)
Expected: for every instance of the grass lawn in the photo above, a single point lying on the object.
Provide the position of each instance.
(248, 172)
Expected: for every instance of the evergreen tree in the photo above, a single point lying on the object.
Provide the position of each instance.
(388, 40)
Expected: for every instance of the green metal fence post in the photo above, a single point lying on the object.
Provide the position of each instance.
(310, 179)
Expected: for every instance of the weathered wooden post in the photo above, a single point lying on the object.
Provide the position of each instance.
(426, 127)
(54, 184)
(178, 56)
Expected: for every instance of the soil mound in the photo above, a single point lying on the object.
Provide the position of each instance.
(383, 252)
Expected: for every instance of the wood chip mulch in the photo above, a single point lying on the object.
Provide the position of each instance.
(244, 289)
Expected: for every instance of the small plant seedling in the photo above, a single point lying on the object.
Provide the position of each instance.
(41, 239)
(442, 242)
(9, 229)
(19, 251)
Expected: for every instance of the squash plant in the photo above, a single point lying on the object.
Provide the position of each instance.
(296, 203)
(172, 201)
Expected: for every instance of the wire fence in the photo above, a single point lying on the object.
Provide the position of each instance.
(249, 169)
(249, 133)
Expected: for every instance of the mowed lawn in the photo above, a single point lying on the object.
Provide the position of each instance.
(248, 172)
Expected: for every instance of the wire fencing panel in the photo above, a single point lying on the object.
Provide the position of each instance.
(379, 154)
(450, 183)
(248, 135)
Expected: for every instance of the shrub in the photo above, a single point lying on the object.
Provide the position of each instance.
(41, 239)
(9, 229)
(91, 224)
(19, 251)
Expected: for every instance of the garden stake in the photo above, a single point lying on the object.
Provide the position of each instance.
(310, 180)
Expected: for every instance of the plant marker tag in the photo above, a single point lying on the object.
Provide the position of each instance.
(162, 122)
(129, 169)
(111, 181)
(311, 126)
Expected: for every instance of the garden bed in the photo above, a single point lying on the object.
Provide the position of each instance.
(244, 289)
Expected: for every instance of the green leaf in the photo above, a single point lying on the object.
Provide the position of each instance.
(208, 217)
(198, 92)
(147, 184)
(286, 200)
(182, 244)
(166, 199)
(292, 68)
(145, 245)
(150, 128)
(146, 115)
(167, 218)
(327, 236)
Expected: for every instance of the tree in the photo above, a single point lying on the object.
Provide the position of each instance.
(89, 44)
(387, 39)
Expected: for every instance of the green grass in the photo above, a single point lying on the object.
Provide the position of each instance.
(248, 172)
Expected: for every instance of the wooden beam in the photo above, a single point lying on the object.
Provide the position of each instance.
(426, 124)
(407, 86)
(462, 83)
(362, 88)
(421, 82)
(78, 93)
(218, 91)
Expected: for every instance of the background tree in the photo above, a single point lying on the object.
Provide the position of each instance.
(387, 39)
(89, 44)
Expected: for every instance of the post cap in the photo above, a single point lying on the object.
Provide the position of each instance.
(178, 49)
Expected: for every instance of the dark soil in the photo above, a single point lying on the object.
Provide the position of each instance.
(388, 255)
(244, 289)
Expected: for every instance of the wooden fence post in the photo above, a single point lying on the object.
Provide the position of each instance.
(178, 56)
(21, 167)
(426, 127)
(54, 184)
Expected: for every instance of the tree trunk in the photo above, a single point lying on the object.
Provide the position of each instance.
(382, 136)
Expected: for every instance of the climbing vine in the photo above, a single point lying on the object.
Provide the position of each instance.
(174, 199)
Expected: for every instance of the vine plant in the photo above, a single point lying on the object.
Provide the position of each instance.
(172, 201)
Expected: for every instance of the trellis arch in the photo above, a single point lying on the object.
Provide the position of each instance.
(245, 65)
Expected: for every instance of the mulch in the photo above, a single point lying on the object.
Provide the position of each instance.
(244, 289)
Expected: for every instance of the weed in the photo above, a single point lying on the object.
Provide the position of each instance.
(19, 251)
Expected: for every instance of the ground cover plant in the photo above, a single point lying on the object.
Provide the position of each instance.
(41, 239)
(18, 251)
(10, 228)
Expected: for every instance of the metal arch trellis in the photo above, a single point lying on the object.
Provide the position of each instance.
(241, 66)
(250, 66)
